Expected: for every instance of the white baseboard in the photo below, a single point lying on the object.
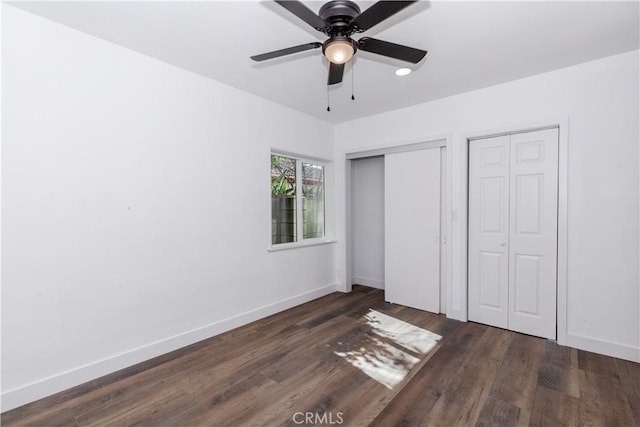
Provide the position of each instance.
(621, 351)
(47, 386)
(372, 283)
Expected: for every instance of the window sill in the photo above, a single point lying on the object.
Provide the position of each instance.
(296, 245)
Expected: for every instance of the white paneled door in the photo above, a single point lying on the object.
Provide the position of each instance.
(513, 209)
(533, 232)
(412, 229)
(489, 231)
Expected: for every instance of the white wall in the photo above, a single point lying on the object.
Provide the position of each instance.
(136, 209)
(367, 225)
(600, 101)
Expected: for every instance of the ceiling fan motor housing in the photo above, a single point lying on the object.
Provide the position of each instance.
(339, 14)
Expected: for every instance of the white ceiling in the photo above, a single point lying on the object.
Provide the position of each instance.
(471, 45)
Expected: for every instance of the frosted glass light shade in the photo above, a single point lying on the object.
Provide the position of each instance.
(339, 51)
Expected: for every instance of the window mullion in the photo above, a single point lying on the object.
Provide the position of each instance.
(299, 213)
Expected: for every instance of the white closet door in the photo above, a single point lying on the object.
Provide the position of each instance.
(489, 231)
(412, 229)
(534, 231)
(443, 230)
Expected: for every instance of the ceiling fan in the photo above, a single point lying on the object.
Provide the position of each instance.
(339, 20)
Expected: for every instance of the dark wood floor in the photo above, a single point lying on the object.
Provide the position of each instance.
(266, 372)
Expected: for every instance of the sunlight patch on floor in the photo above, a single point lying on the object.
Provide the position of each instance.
(402, 333)
(389, 349)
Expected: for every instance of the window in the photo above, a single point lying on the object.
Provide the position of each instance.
(283, 200)
(297, 200)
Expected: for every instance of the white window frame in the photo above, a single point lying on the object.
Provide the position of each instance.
(301, 241)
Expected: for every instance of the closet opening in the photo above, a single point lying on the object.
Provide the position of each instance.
(396, 223)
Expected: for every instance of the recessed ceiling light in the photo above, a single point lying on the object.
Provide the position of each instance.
(403, 71)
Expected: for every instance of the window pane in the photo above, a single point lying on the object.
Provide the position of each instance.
(312, 200)
(283, 199)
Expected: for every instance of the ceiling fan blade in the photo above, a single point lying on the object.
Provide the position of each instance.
(287, 51)
(392, 50)
(378, 13)
(335, 73)
(304, 13)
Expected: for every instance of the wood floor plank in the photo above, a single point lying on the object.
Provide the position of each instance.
(56, 409)
(554, 408)
(318, 346)
(412, 405)
(597, 364)
(328, 397)
(518, 376)
(602, 400)
(462, 402)
(559, 369)
(313, 318)
(498, 413)
(629, 374)
(234, 410)
(359, 406)
(263, 373)
(296, 388)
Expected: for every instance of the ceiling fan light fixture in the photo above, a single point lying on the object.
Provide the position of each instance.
(339, 50)
(339, 20)
(403, 72)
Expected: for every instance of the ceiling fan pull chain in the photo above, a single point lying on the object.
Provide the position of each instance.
(328, 100)
(353, 67)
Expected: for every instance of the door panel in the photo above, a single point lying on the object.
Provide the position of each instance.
(527, 284)
(491, 269)
(412, 229)
(492, 204)
(528, 215)
(489, 231)
(534, 231)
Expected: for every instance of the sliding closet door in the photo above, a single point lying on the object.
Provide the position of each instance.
(534, 233)
(412, 229)
(489, 231)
